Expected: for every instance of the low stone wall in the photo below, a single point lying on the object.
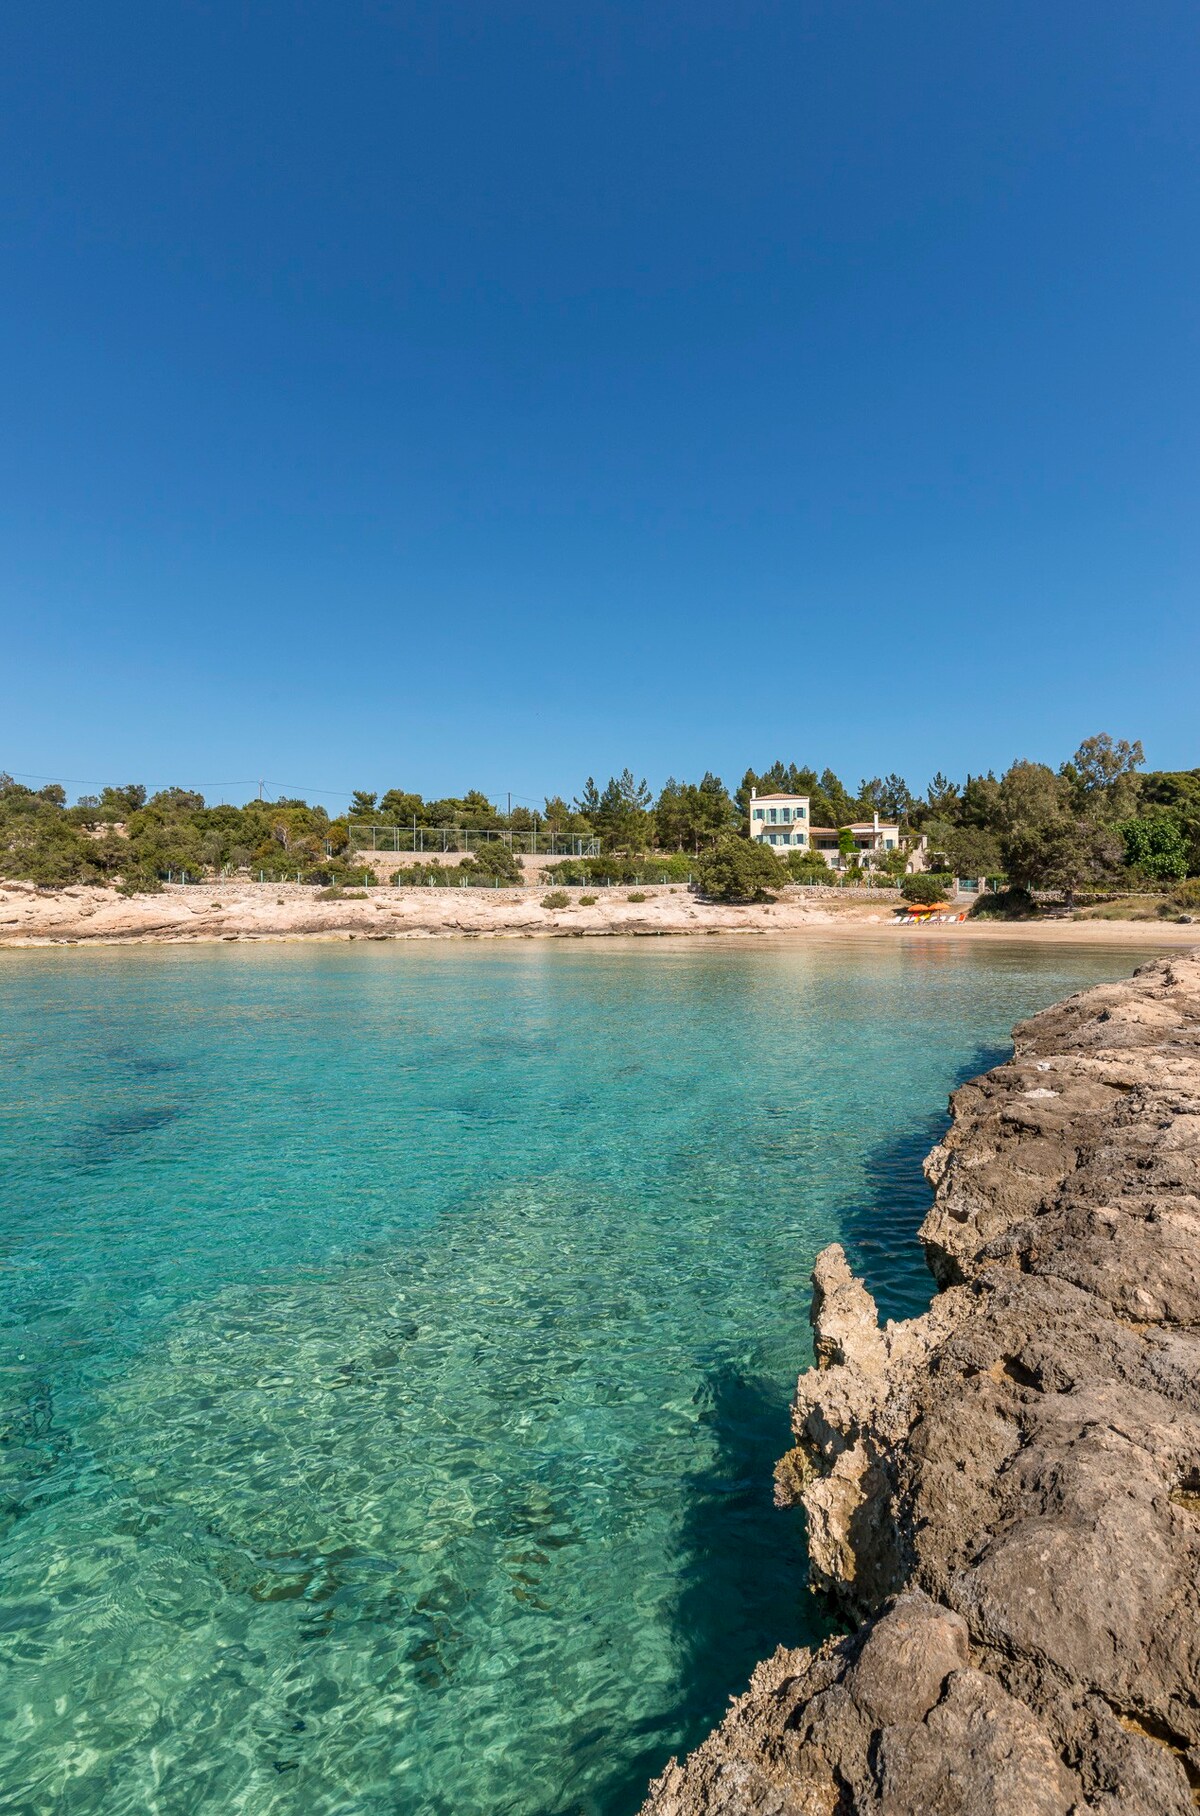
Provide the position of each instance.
(1005, 1492)
(865, 892)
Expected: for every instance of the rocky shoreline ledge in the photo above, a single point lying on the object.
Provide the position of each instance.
(1005, 1492)
(251, 914)
(248, 912)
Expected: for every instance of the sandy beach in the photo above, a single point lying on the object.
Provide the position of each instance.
(248, 912)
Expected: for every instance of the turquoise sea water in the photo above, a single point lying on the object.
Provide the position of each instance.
(396, 1343)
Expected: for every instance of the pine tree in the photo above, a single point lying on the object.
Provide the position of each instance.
(587, 801)
(841, 807)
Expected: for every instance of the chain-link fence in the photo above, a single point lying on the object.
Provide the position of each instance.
(432, 841)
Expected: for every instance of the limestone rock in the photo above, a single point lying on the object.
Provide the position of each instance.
(1006, 1491)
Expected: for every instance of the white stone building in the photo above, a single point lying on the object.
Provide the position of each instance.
(780, 820)
(783, 821)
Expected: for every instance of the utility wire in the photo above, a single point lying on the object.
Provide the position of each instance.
(289, 788)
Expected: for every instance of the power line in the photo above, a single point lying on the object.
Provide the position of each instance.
(25, 775)
(258, 782)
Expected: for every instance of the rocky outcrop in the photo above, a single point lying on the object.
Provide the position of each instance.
(229, 910)
(239, 910)
(1006, 1491)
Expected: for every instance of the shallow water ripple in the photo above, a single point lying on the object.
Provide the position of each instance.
(397, 1346)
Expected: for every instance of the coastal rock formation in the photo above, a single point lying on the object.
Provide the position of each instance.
(240, 911)
(237, 910)
(1006, 1491)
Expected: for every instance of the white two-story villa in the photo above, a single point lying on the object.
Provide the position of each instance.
(779, 819)
(782, 820)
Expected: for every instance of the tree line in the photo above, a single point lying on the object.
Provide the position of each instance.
(1098, 820)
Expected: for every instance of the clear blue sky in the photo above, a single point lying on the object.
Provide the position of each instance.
(487, 394)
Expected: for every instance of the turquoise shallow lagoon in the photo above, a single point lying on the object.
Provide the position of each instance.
(397, 1340)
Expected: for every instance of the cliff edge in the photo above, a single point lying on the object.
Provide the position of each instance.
(1005, 1492)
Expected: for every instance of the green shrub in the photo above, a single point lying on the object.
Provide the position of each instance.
(38, 846)
(557, 898)
(740, 870)
(926, 886)
(1155, 846)
(660, 867)
(493, 863)
(588, 901)
(1008, 905)
(637, 895)
(326, 872)
(1187, 895)
(435, 872)
(808, 867)
(136, 881)
(574, 871)
(492, 867)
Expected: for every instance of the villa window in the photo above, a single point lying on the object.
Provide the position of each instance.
(758, 813)
(772, 815)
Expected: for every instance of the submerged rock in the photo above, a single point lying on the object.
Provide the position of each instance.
(1006, 1491)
